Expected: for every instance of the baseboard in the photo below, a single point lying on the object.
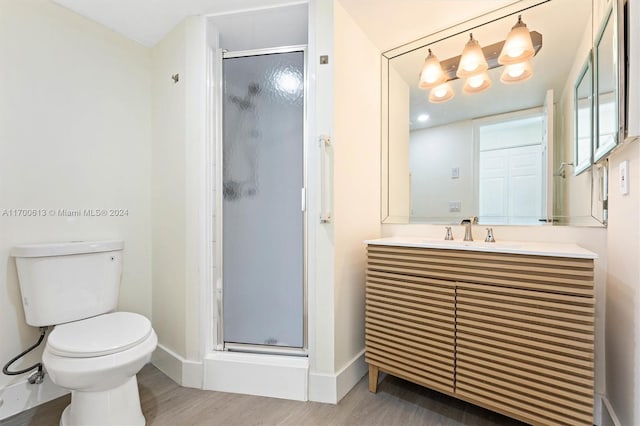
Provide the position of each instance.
(608, 411)
(331, 388)
(182, 371)
(276, 376)
(21, 396)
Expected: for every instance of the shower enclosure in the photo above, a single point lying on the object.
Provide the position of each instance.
(263, 200)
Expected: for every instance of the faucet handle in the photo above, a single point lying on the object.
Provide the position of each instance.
(489, 238)
(449, 235)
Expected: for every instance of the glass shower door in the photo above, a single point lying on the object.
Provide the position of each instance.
(263, 223)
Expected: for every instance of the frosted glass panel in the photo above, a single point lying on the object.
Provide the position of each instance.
(262, 217)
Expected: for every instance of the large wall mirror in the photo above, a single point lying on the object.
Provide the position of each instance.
(504, 152)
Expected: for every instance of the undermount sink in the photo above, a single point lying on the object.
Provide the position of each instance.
(510, 247)
(479, 244)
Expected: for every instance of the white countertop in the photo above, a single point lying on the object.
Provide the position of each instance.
(513, 247)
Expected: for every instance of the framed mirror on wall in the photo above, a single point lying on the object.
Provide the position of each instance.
(606, 86)
(583, 111)
(499, 144)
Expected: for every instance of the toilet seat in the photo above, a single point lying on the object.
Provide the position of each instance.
(97, 336)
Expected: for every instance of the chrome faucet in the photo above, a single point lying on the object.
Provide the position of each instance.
(468, 234)
(449, 235)
(489, 238)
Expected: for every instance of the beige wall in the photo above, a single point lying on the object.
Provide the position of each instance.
(357, 177)
(74, 133)
(177, 175)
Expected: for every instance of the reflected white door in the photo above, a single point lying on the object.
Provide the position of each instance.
(510, 185)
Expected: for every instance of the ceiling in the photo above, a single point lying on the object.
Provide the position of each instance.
(147, 21)
(388, 24)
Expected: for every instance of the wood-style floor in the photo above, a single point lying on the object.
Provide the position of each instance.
(397, 403)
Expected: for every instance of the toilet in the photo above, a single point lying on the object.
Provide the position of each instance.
(93, 351)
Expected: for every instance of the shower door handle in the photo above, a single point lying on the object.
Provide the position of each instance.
(325, 179)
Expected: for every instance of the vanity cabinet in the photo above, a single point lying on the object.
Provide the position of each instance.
(511, 332)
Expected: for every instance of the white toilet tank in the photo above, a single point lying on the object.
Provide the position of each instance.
(65, 282)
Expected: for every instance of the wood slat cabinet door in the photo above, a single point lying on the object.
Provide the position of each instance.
(410, 329)
(510, 332)
(526, 353)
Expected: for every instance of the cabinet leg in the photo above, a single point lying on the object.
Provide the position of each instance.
(373, 378)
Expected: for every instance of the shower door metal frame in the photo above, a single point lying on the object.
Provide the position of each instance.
(219, 279)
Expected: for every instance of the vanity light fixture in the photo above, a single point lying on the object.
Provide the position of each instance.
(516, 73)
(477, 83)
(518, 46)
(441, 93)
(473, 61)
(432, 74)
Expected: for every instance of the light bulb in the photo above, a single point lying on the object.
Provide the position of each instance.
(516, 70)
(471, 66)
(515, 52)
(516, 73)
(423, 117)
(440, 92)
(472, 60)
(431, 74)
(518, 46)
(476, 81)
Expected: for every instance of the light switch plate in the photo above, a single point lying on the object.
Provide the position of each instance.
(455, 172)
(624, 177)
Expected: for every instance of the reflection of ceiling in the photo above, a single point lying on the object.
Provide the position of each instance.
(390, 23)
(561, 38)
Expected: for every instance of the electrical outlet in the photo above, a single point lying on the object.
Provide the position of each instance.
(455, 206)
(624, 177)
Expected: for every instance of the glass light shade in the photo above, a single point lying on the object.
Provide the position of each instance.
(441, 93)
(477, 83)
(472, 61)
(518, 46)
(432, 74)
(516, 73)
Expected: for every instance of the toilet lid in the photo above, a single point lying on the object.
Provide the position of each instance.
(102, 335)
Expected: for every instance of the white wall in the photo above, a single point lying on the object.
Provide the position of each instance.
(574, 207)
(262, 28)
(399, 173)
(623, 289)
(320, 236)
(431, 160)
(178, 164)
(74, 133)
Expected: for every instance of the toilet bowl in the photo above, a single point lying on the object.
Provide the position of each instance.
(98, 359)
(93, 351)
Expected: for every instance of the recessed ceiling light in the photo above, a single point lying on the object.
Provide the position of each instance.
(423, 117)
